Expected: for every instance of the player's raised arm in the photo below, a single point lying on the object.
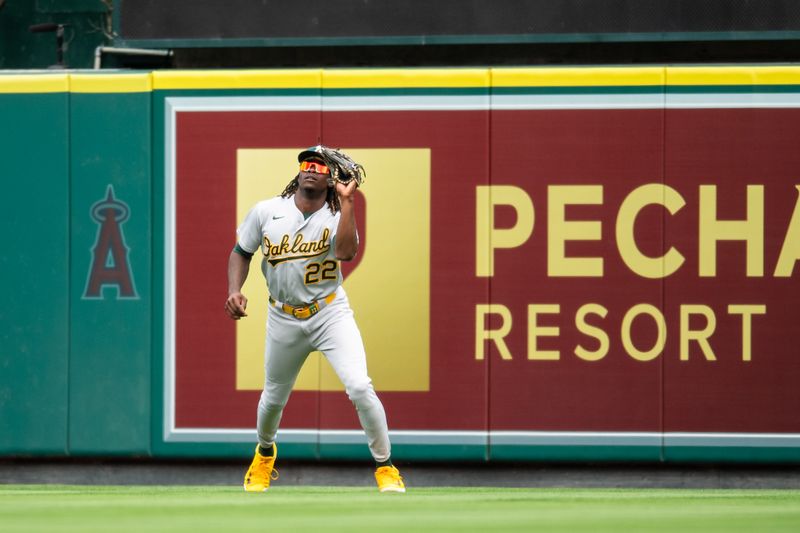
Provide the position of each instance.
(346, 236)
(238, 267)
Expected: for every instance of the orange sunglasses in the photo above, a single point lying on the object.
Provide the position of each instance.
(313, 166)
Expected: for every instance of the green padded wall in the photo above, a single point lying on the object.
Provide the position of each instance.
(34, 319)
(110, 300)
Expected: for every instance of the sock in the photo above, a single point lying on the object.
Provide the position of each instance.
(387, 462)
(265, 452)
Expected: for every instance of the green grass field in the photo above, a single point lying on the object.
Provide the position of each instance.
(57, 508)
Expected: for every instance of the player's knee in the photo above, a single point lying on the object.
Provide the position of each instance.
(274, 406)
(275, 395)
(271, 404)
(361, 393)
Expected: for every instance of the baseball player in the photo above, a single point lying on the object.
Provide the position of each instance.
(303, 234)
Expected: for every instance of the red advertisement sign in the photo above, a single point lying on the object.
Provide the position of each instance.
(617, 270)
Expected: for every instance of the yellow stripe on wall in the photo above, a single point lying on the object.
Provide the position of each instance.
(734, 75)
(237, 79)
(110, 83)
(34, 83)
(367, 78)
(404, 78)
(577, 77)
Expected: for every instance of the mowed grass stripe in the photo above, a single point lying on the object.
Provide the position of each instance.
(54, 508)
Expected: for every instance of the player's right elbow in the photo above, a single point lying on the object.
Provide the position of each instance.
(345, 253)
(345, 257)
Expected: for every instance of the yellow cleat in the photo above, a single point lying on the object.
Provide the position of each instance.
(261, 471)
(389, 479)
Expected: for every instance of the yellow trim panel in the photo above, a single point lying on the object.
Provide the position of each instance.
(110, 83)
(405, 78)
(237, 79)
(734, 75)
(577, 77)
(34, 83)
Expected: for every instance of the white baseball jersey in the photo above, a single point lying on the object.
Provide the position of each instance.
(298, 262)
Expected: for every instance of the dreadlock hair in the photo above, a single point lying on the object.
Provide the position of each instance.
(332, 198)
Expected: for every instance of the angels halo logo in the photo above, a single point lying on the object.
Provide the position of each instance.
(110, 266)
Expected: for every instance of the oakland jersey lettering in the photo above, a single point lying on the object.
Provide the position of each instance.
(299, 249)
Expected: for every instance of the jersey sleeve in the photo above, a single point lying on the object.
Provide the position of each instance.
(249, 232)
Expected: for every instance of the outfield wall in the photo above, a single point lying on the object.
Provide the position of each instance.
(556, 264)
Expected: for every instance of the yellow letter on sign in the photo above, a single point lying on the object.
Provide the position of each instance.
(487, 237)
(647, 267)
(790, 252)
(749, 230)
(560, 230)
(497, 335)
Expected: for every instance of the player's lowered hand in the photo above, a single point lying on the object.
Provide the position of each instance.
(235, 305)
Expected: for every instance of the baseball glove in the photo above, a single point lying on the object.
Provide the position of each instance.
(343, 168)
